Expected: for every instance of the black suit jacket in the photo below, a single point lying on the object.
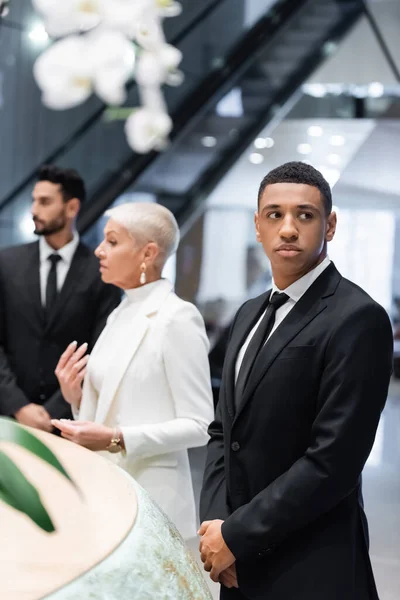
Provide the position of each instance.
(284, 471)
(29, 347)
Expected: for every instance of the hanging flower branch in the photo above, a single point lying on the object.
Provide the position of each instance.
(103, 44)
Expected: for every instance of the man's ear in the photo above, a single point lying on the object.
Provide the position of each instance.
(331, 227)
(256, 223)
(73, 208)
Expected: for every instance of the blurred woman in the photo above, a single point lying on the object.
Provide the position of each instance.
(146, 396)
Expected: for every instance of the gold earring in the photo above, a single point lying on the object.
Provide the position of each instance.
(143, 274)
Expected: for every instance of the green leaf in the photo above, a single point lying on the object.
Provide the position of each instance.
(16, 491)
(10, 431)
(118, 114)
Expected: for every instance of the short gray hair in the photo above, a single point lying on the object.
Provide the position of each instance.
(149, 222)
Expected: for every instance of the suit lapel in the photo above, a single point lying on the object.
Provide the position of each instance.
(30, 287)
(310, 305)
(74, 277)
(130, 341)
(245, 322)
(90, 406)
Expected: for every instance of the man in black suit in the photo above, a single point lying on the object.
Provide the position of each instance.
(51, 294)
(305, 380)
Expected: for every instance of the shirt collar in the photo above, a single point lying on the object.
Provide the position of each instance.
(66, 252)
(297, 289)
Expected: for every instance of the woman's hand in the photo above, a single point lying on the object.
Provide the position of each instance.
(85, 433)
(70, 372)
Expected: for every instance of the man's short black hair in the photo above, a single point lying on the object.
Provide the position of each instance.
(299, 172)
(71, 183)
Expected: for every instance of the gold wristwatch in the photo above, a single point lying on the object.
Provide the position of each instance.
(115, 444)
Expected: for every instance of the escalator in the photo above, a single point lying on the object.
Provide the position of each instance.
(97, 148)
(237, 78)
(286, 48)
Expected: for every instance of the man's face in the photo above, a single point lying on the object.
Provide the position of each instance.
(49, 211)
(293, 228)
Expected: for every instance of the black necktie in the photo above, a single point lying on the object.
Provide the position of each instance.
(257, 341)
(51, 286)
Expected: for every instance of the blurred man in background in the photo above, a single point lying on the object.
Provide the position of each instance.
(51, 294)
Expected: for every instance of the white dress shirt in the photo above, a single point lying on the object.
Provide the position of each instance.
(66, 252)
(295, 292)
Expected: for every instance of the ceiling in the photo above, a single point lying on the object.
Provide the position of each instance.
(359, 58)
(371, 179)
(291, 139)
(367, 163)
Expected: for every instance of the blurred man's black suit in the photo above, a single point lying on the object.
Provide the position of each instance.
(284, 469)
(30, 344)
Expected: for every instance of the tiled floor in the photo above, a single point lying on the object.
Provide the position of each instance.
(382, 499)
(381, 496)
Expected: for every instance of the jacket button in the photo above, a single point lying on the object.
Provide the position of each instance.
(266, 552)
(235, 446)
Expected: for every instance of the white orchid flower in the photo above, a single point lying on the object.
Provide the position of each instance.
(102, 60)
(64, 74)
(113, 58)
(149, 33)
(69, 16)
(147, 130)
(124, 15)
(148, 28)
(155, 68)
(72, 68)
(168, 8)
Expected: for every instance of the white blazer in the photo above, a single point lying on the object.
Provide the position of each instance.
(157, 390)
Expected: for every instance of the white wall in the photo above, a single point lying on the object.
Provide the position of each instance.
(363, 251)
(223, 271)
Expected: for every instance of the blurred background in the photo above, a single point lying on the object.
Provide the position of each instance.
(265, 82)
